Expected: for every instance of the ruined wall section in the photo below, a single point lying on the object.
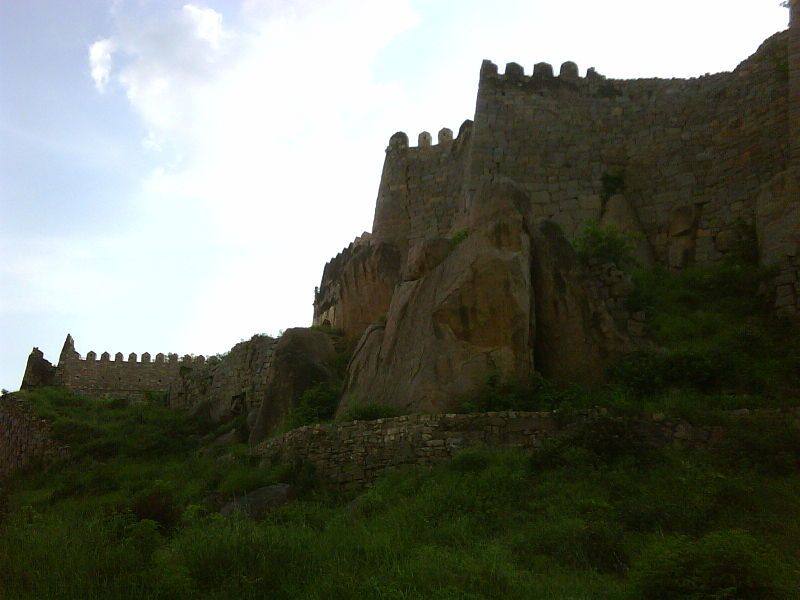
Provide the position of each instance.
(25, 440)
(691, 154)
(225, 386)
(421, 189)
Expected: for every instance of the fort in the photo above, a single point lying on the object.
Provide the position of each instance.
(683, 163)
(693, 168)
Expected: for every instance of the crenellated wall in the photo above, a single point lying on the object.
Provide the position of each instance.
(103, 377)
(682, 163)
(421, 189)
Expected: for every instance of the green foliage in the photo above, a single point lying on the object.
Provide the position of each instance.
(317, 404)
(370, 412)
(715, 331)
(458, 237)
(605, 243)
(722, 564)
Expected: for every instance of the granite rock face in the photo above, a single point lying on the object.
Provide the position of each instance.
(302, 358)
(505, 293)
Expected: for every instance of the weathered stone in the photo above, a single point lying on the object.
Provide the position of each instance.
(302, 358)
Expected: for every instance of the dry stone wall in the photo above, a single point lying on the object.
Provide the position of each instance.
(25, 440)
(229, 385)
(354, 454)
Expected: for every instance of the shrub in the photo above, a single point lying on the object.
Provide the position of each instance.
(769, 443)
(317, 404)
(602, 441)
(723, 564)
(458, 237)
(606, 243)
(158, 506)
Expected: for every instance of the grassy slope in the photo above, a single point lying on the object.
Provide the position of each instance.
(602, 515)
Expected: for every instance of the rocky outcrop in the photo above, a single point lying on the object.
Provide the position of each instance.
(357, 286)
(576, 337)
(506, 292)
(302, 358)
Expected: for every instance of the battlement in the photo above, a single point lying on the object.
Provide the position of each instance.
(400, 142)
(131, 378)
(146, 358)
(542, 73)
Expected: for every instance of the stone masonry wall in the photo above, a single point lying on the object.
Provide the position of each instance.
(692, 154)
(421, 189)
(226, 386)
(119, 378)
(354, 454)
(24, 440)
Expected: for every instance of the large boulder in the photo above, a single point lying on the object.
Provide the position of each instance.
(576, 337)
(475, 310)
(301, 359)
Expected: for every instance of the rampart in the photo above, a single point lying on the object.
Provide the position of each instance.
(103, 377)
(681, 163)
(354, 454)
(25, 440)
(689, 155)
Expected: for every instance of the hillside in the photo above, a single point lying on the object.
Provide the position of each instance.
(602, 512)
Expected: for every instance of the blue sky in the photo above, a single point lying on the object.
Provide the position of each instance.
(174, 175)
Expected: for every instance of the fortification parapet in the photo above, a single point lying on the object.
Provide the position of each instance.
(424, 139)
(119, 378)
(543, 71)
(569, 72)
(445, 135)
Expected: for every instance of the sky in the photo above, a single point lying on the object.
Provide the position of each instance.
(174, 176)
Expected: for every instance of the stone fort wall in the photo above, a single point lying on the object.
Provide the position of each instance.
(689, 156)
(103, 377)
(351, 455)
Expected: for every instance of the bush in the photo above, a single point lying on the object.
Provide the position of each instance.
(723, 564)
(317, 404)
(769, 443)
(603, 441)
(158, 506)
(604, 244)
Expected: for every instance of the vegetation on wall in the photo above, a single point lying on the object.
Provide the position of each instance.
(598, 244)
(602, 514)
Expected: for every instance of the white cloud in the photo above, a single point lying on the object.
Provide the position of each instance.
(208, 23)
(100, 62)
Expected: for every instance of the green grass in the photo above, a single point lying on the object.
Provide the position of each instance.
(600, 515)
